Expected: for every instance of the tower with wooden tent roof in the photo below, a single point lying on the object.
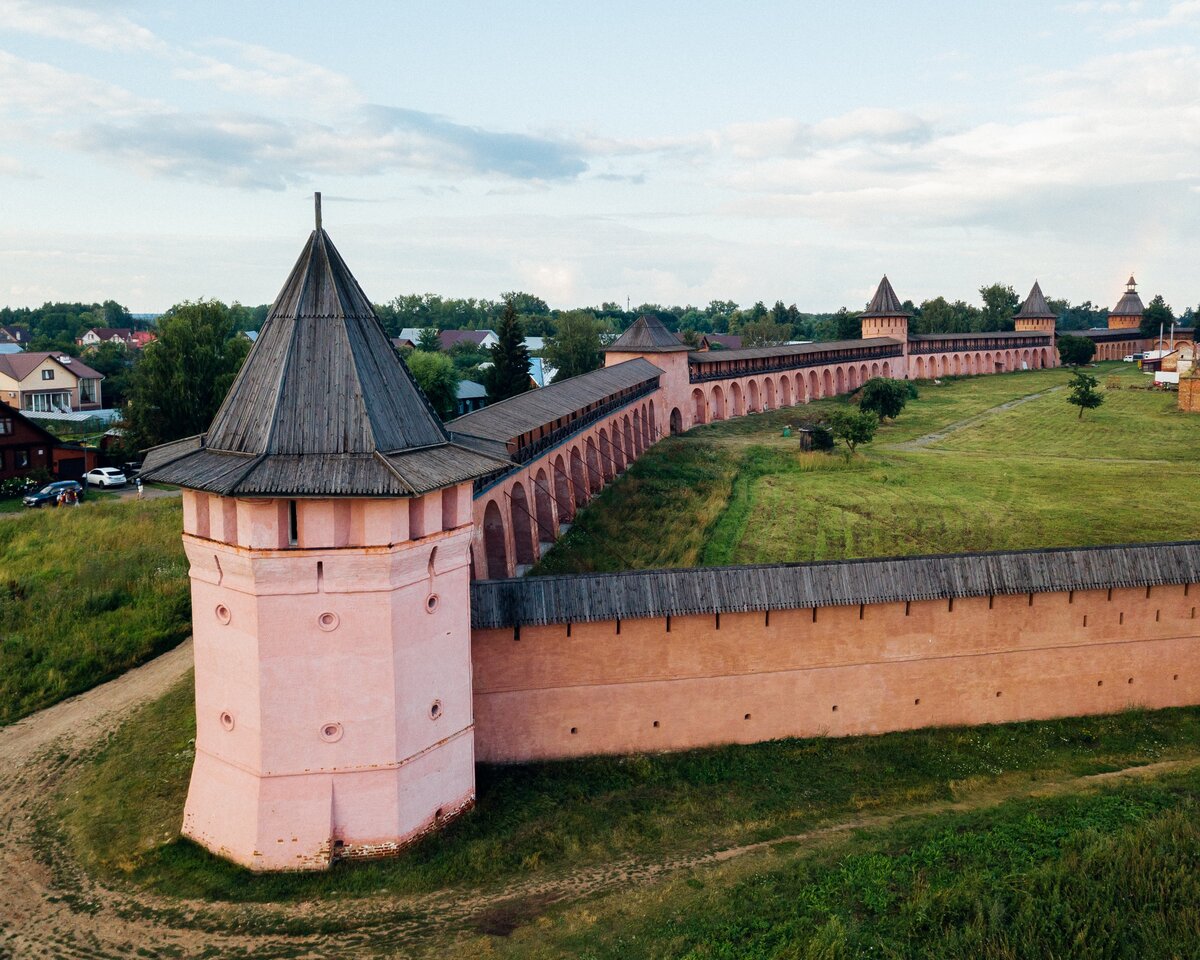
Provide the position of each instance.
(1129, 309)
(885, 316)
(648, 337)
(327, 521)
(1035, 314)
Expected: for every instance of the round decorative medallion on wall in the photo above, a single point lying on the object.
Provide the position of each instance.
(226, 719)
(435, 711)
(328, 621)
(331, 732)
(431, 602)
(223, 613)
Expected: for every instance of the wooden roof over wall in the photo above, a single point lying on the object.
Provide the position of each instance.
(710, 590)
(535, 408)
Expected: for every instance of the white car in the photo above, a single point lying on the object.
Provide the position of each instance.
(105, 477)
(1129, 359)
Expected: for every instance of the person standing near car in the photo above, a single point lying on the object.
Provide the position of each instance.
(139, 487)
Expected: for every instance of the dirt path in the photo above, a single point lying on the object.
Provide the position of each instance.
(50, 907)
(929, 439)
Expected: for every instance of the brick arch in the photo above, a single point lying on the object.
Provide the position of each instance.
(638, 444)
(814, 385)
(718, 402)
(851, 379)
(620, 454)
(676, 421)
(863, 375)
(522, 525)
(839, 379)
(495, 541)
(578, 478)
(699, 411)
(606, 454)
(887, 369)
(629, 448)
(979, 367)
(874, 370)
(735, 393)
(801, 392)
(562, 491)
(543, 508)
(653, 422)
(827, 382)
(755, 401)
(768, 393)
(785, 391)
(595, 478)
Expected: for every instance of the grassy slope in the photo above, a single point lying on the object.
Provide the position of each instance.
(1032, 475)
(122, 814)
(84, 595)
(1108, 874)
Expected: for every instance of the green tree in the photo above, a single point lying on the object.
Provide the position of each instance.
(883, 397)
(183, 376)
(1083, 392)
(1157, 316)
(509, 372)
(1075, 351)
(853, 427)
(438, 379)
(1000, 302)
(574, 348)
(765, 333)
(847, 325)
(115, 362)
(430, 340)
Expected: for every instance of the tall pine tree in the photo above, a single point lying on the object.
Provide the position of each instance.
(509, 373)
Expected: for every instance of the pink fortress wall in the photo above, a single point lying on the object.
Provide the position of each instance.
(590, 689)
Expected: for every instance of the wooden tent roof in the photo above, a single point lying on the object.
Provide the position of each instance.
(323, 405)
(647, 334)
(1130, 304)
(709, 590)
(885, 303)
(1035, 306)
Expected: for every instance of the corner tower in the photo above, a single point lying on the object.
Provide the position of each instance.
(327, 521)
(1128, 311)
(1035, 314)
(885, 316)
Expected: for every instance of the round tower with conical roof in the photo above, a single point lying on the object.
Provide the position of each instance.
(327, 521)
(1035, 314)
(1129, 309)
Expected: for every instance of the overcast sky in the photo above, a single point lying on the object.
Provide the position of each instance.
(668, 152)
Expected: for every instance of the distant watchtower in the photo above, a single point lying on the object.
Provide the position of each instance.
(1035, 314)
(648, 337)
(327, 520)
(1129, 309)
(885, 316)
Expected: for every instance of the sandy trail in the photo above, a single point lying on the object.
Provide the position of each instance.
(50, 907)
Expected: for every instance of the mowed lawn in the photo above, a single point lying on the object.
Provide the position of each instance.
(957, 471)
(86, 594)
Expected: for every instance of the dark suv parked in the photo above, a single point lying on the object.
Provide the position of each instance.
(48, 495)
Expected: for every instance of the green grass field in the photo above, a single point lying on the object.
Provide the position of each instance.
(1028, 476)
(947, 850)
(85, 594)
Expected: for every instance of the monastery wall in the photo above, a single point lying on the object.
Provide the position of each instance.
(568, 690)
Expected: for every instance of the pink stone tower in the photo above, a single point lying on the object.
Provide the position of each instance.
(327, 520)
(885, 316)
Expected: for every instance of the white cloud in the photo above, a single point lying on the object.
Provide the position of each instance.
(103, 31)
(269, 74)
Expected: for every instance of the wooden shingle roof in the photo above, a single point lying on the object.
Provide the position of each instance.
(535, 408)
(323, 405)
(790, 586)
(885, 303)
(1035, 306)
(1130, 304)
(647, 334)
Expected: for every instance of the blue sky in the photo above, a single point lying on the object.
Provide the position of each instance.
(668, 152)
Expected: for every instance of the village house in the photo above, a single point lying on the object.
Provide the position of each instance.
(98, 335)
(41, 382)
(24, 446)
(14, 335)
